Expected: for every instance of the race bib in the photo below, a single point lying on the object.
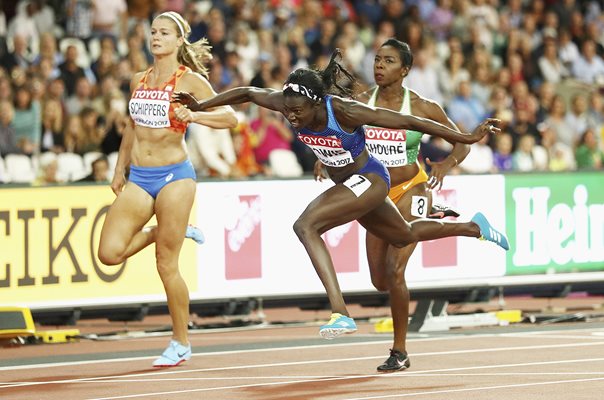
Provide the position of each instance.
(419, 206)
(389, 146)
(358, 184)
(150, 108)
(328, 150)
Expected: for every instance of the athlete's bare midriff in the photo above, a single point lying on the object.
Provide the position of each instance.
(157, 147)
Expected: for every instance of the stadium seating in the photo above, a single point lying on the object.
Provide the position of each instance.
(71, 167)
(19, 168)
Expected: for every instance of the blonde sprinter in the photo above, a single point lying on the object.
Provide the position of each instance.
(161, 179)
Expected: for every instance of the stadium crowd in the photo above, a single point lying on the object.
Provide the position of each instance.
(65, 68)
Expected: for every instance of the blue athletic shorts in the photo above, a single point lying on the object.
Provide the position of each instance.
(152, 179)
(376, 167)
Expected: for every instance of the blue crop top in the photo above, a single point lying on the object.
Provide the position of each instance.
(334, 147)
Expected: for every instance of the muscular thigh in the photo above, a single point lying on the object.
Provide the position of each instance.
(130, 211)
(339, 204)
(172, 210)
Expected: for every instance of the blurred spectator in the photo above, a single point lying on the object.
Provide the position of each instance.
(79, 15)
(49, 51)
(270, 133)
(19, 56)
(465, 110)
(115, 123)
(246, 164)
(24, 26)
(47, 170)
(480, 160)
(44, 17)
(561, 157)
(71, 72)
(576, 118)
(110, 17)
(567, 49)
(245, 45)
(52, 127)
(74, 136)
(100, 171)
(595, 115)
(550, 66)
(502, 156)
(8, 139)
(557, 121)
(452, 74)
(589, 67)
(440, 19)
(215, 146)
(588, 153)
(529, 156)
(94, 131)
(423, 77)
(325, 44)
(81, 98)
(27, 121)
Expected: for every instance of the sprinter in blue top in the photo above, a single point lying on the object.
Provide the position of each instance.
(333, 127)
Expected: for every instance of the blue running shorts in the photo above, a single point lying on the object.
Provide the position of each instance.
(153, 179)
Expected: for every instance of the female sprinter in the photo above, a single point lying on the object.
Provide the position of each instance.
(333, 127)
(161, 181)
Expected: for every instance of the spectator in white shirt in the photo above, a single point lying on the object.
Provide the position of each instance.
(589, 67)
(423, 77)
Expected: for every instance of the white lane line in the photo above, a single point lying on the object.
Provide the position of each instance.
(311, 362)
(437, 337)
(377, 376)
(482, 388)
(322, 377)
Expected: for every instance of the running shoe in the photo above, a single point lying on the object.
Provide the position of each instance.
(175, 354)
(397, 361)
(337, 325)
(489, 233)
(195, 233)
(440, 211)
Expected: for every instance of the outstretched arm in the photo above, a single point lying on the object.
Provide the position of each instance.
(352, 113)
(267, 98)
(197, 85)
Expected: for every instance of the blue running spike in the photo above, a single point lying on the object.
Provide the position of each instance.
(196, 234)
(337, 325)
(489, 233)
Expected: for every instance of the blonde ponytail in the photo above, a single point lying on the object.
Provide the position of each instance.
(193, 55)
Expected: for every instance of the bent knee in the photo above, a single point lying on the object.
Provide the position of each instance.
(302, 228)
(110, 257)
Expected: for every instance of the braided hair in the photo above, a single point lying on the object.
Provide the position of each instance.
(316, 84)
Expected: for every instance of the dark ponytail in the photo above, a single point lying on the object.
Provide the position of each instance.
(331, 74)
(315, 84)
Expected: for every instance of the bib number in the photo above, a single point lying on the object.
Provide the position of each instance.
(358, 184)
(419, 206)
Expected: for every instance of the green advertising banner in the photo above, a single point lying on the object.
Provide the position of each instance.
(555, 223)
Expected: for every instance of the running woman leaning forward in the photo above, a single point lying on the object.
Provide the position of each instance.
(333, 127)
